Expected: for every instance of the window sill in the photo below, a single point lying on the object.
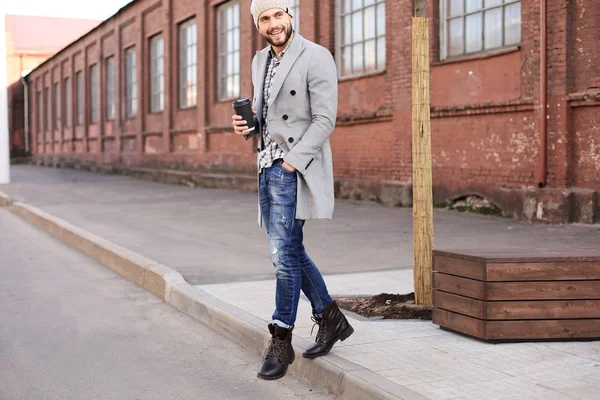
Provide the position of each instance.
(493, 107)
(182, 131)
(187, 107)
(149, 133)
(384, 115)
(218, 129)
(361, 76)
(155, 112)
(478, 56)
(227, 100)
(584, 99)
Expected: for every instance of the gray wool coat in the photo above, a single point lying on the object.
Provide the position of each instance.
(302, 114)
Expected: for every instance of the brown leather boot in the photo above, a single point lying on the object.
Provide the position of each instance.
(332, 327)
(278, 355)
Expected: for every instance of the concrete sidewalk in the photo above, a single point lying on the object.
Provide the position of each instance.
(432, 362)
(211, 237)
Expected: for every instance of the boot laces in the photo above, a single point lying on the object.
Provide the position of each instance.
(276, 348)
(321, 323)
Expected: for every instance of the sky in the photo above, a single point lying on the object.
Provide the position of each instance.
(100, 10)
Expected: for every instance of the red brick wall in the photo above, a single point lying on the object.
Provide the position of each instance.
(477, 81)
(583, 151)
(399, 61)
(584, 22)
(485, 109)
(557, 92)
(585, 148)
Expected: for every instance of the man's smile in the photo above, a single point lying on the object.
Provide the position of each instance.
(276, 32)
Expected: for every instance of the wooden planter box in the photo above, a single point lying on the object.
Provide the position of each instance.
(518, 295)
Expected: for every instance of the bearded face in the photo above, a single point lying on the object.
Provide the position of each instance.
(276, 27)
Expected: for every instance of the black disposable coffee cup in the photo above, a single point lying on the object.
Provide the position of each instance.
(243, 108)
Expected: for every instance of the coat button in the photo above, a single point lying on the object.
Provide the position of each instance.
(293, 92)
(291, 140)
(285, 117)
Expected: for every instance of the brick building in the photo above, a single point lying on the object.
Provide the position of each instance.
(30, 41)
(150, 89)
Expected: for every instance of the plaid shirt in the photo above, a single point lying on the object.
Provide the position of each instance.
(271, 150)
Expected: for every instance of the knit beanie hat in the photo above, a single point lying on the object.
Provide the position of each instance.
(259, 6)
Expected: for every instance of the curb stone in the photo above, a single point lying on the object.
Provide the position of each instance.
(332, 374)
(5, 200)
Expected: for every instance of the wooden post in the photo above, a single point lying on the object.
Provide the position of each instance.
(421, 157)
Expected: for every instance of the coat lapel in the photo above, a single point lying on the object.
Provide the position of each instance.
(261, 65)
(287, 61)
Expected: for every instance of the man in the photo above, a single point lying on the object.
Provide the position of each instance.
(295, 93)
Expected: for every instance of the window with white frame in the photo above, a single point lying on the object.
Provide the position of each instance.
(94, 106)
(79, 84)
(131, 99)
(361, 37)
(157, 81)
(188, 63)
(295, 12)
(228, 71)
(48, 110)
(471, 26)
(68, 102)
(57, 105)
(110, 89)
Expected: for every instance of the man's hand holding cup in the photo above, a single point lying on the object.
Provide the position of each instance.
(243, 119)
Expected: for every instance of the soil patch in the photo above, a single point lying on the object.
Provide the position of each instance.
(388, 306)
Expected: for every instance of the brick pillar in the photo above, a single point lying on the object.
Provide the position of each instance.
(557, 108)
(169, 65)
(326, 24)
(102, 95)
(73, 121)
(86, 105)
(33, 126)
(61, 89)
(141, 67)
(203, 100)
(48, 137)
(53, 121)
(118, 123)
(399, 14)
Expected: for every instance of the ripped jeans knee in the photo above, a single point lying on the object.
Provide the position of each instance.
(281, 259)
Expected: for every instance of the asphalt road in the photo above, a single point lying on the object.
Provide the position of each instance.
(72, 329)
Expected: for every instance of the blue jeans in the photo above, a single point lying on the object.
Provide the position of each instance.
(294, 269)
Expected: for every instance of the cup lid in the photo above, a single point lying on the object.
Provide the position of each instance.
(241, 101)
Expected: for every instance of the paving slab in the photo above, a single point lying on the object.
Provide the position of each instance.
(435, 363)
